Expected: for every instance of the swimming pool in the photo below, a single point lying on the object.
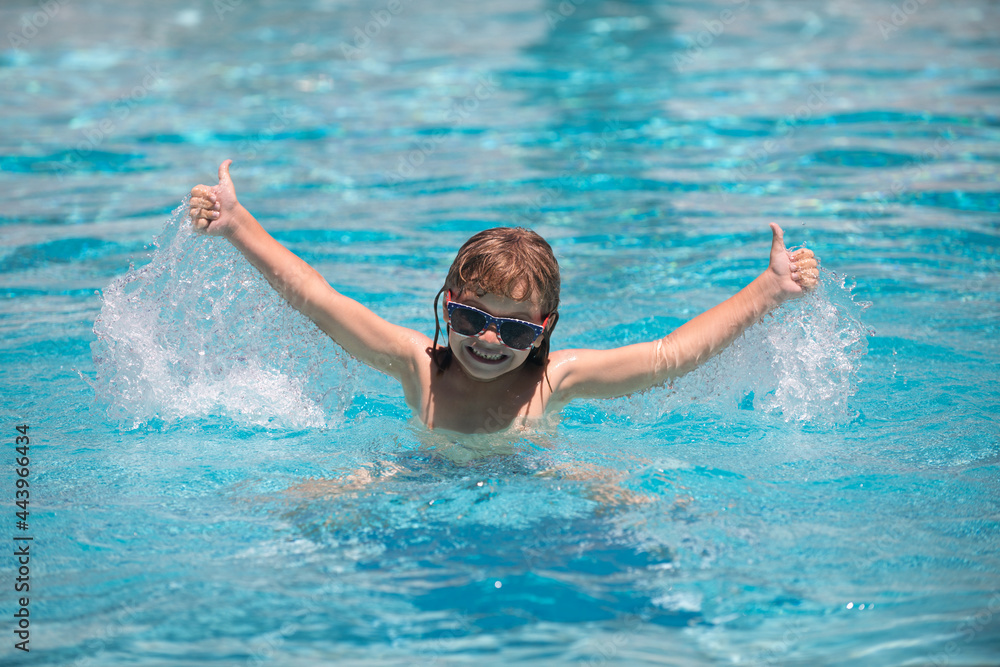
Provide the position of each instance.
(212, 482)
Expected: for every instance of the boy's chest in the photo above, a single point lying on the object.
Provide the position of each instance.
(485, 409)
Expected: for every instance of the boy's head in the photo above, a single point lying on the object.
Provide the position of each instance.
(512, 263)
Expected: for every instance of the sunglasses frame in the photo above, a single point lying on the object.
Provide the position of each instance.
(451, 306)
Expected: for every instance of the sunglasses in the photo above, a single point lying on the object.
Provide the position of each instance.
(515, 334)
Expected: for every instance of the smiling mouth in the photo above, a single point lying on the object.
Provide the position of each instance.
(484, 357)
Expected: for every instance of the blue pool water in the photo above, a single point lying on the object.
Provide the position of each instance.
(212, 482)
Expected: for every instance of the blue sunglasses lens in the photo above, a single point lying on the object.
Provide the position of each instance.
(469, 322)
(466, 321)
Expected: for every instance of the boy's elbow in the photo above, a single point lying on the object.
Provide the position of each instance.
(664, 360)
(669, 361)
(302, 289)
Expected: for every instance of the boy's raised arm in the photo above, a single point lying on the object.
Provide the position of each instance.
(363, 334)
(624, 370)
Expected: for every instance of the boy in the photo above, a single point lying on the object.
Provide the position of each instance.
(500, 308)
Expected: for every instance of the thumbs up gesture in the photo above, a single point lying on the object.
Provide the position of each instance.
(214, 209)
(795, 273)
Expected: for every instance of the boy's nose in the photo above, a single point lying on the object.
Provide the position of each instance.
(491, 335)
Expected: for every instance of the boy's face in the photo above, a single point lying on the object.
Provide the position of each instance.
(484, 357)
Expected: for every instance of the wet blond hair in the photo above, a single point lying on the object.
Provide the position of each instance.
(512, 262)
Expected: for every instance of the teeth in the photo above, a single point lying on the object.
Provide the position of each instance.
(489, 357)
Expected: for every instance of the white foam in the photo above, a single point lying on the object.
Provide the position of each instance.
(197, 332)
(800, 363)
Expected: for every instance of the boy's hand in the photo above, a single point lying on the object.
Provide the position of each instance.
(215, 209)
(794, 272)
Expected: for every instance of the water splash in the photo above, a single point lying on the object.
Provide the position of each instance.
(807, 356)
(800, 363)
(198, 332)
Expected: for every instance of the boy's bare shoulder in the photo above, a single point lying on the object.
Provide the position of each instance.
(560, 364)
(557, 356)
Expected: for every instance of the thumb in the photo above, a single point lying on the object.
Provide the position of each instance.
(778, 238)
(224, 179)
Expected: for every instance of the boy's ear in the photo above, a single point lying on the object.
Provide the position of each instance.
(550, 321)
(549, 324)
